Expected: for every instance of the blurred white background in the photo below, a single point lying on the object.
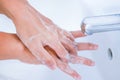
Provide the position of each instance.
(68, 15)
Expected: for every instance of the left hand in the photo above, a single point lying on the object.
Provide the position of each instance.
(12, 48)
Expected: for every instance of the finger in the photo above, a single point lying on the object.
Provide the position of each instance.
(29, 58)
(70, 46)
(77, 34)
(81, 60)
(66, 33)
(69, 35)
(86, 46)
(64, 66)
(59, 49)
(44, 57)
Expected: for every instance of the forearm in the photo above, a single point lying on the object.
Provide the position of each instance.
(12, 8)
(10, 46)
(23, 15)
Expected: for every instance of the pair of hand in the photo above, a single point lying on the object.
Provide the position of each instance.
(17, 50)
(39, 34)
(64, 66)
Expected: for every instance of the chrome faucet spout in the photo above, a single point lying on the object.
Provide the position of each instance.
(104, 23)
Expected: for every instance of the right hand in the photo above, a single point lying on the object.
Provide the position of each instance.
(37, 31)
(63, 66)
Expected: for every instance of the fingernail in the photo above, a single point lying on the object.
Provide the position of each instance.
(89, 63)
(77, 78)
(93, 47)
(96, 46)
(93, 63)
(51, 65)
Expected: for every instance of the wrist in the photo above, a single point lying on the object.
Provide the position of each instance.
(10, 46)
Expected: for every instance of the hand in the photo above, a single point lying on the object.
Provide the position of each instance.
(73, 58)
(17, 50)
(37, 31)
(12, 48)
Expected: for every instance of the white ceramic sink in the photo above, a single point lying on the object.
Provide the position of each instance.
(107, 60)
(68, 14)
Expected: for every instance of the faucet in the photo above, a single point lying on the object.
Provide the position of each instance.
(103, 23)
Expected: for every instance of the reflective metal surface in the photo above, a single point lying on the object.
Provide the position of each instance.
(102, 23)
(68, 14)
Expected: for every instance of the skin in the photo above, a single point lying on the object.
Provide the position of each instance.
(34, 33)
(18, 51)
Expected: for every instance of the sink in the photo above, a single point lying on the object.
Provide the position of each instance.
(107, 60)
(68, 15)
